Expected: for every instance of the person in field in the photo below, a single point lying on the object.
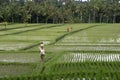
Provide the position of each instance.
(42, 44)
(69, 29)
(42, 51)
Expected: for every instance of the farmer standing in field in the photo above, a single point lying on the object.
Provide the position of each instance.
(42, 51)
(69, 29)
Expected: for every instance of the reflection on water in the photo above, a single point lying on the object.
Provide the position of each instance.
(102, 40)
(112, 40)
(107, 40)
(91, 39)
(118, 40)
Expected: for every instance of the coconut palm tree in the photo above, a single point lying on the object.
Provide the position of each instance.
(116, 8)
(13, 10)
(38, 9)
(25, 12)
(5, 10)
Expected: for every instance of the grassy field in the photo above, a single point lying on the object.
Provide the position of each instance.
(88, 52)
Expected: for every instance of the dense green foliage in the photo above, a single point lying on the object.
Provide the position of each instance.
(60, 11)
(87, 52)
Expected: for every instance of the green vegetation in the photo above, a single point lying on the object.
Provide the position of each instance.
(87, 52)
(60, 11)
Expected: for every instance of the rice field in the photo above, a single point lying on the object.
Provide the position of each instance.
(93, 57)
(87, 52)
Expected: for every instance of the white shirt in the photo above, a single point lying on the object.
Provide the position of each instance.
(42, 51)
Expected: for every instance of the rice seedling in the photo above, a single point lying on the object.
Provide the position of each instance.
(88, 52)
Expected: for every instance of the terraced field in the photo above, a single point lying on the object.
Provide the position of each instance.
(88, 52)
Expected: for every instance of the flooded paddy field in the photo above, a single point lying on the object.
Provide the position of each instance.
(87, 52)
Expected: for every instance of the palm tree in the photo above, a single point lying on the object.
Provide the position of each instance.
(46, 10)
(107, 11)
(95, 10)
(79, 11)
(89, 8)
(1, 16)
(13, 10)
(26, 11)
(5, 10)
(38, 9)
(115, 10)
(62, 14)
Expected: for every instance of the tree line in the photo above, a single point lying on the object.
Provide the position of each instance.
(61, 11)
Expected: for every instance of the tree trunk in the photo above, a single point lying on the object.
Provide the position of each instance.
(107, 19)
(94, 16)
(81, 17)
(46, 20)
(59, 21)
(100, 18)
(53, 20)
(89, 20)
(63, 20)
(114, 18)
(30, 20)
(12, 19)
(37, 19)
